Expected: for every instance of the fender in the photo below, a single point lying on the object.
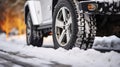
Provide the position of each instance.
(34, 6)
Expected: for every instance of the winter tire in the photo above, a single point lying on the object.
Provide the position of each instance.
(33, 37)
(68, 30)
(64, 25)
(86, 31)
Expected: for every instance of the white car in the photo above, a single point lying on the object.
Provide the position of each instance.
(72, 23)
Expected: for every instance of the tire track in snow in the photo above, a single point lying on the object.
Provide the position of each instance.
(11, 56)
(15, 61)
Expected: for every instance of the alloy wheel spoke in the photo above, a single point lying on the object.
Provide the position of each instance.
(62, 36)
(59, 23)
(69, 20)
(64, 14)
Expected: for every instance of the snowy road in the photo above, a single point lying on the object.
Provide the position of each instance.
(4, 62)
(15, 53)
(8, 61)
(15, 60)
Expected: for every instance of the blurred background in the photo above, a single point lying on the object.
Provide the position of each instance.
(12, 17)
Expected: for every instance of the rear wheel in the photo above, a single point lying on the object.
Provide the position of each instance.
(64, 25)
(33, 36)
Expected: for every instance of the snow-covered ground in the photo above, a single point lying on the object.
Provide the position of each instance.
(45, 57)
(111, 43)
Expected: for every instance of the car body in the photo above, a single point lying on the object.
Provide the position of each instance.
(43, 9)
(42, 16)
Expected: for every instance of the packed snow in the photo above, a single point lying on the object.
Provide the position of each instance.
(111, 42)
(73, 58)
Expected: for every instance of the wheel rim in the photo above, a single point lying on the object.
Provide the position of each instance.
(28, 29)
(63, 26)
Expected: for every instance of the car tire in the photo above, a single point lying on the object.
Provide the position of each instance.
(64, 36)
(77, 27)
(87, 31)
(33, 37)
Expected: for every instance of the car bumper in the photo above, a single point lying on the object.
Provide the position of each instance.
(94, 7)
